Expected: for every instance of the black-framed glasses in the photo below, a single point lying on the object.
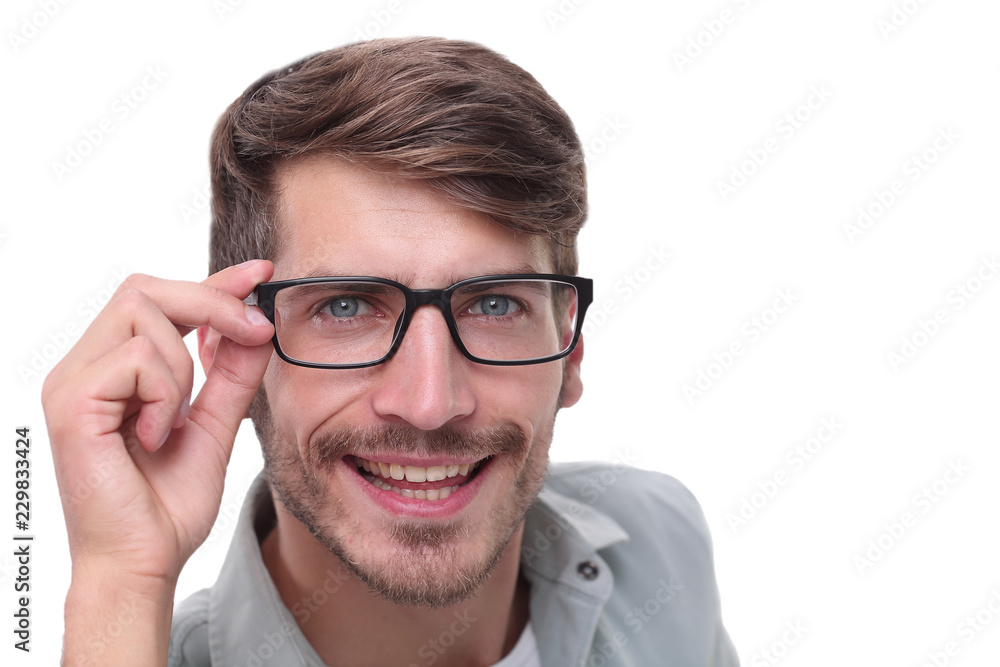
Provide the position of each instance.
(358, 321)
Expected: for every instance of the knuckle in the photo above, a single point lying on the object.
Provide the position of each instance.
(163, 387)
(142, 348)
(131, 299)
(220, 297)
(134, 281)
(184, 368)
(187, 367)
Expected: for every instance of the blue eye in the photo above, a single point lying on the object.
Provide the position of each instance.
(495, 306)
(344, 306)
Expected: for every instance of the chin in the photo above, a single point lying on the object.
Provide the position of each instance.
(423, 553)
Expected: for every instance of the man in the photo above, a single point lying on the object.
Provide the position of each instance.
(400, 217)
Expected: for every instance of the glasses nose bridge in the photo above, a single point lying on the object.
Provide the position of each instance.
(429, 297)
(439, 298)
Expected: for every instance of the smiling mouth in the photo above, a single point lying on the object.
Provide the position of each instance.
(429, 484)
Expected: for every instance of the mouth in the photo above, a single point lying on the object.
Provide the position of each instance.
(429, 484)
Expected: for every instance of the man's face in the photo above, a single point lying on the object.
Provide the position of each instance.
(486, 428)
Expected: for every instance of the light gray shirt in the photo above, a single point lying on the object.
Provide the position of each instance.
(619, 561)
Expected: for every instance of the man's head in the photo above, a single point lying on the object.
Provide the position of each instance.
(462, 119)
(426, 162)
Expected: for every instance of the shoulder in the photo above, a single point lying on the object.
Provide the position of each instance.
(663, 573)
(643, 502)
(189, 633)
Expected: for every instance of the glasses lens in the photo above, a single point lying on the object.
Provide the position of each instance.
(337, 322)
(515, 320)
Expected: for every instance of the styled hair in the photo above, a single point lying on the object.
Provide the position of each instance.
(473, 126)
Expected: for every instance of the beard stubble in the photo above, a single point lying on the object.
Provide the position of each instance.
(429, 563)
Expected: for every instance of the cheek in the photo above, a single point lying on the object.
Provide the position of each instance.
(525, 392)
(303, 400)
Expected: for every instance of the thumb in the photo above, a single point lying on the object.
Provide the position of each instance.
(230, 385)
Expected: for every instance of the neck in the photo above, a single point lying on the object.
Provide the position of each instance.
(347, 625)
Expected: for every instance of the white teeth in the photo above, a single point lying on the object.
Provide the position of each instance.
(414, 474)
(419, 494)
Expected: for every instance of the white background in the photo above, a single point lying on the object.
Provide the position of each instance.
(661, 135)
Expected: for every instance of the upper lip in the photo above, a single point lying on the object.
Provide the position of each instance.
(416, 461)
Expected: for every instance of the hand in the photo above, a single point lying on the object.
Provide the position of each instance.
(141, 468)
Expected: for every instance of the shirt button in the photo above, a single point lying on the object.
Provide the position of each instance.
(587, 570)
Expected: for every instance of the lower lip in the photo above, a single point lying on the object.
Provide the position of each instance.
(430, 509)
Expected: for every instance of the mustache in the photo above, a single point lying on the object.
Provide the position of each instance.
(369, 442)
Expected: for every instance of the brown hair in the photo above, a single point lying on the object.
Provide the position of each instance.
(475, 127)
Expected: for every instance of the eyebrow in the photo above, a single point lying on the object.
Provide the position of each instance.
(326, 272)
(325, 288)
(481, 288)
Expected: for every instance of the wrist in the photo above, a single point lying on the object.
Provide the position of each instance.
(114, 617)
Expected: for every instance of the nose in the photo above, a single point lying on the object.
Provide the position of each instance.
(426, 382)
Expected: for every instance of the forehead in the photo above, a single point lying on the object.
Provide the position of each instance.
(338, 218)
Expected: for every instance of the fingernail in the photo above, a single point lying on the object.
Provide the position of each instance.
(185, 406)
(163, 439)
(257, 318)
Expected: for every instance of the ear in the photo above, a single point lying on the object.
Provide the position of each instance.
(572, 388)
(208, 341)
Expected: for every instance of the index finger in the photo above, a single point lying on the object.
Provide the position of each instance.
(238, 281)
(216, 302)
